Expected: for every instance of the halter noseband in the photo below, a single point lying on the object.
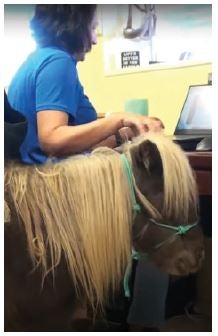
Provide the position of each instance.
(180, 230)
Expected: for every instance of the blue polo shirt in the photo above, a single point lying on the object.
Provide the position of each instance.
(48, 80)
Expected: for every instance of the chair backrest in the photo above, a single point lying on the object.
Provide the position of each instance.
(15, 128)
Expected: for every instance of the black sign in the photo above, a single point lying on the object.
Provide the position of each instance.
(130, 59)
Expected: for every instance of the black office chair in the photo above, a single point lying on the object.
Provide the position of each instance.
(15, 129)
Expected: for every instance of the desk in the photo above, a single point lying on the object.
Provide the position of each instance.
(201, 162)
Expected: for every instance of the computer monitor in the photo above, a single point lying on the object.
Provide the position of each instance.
(196, 113)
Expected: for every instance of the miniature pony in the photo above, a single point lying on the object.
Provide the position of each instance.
(71, 227)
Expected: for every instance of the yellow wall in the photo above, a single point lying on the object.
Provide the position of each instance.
(165, 89)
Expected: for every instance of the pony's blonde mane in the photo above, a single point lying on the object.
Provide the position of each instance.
(81, 208)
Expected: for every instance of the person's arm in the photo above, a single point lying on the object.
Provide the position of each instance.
(57, 138)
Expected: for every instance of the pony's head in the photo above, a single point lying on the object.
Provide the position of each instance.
(166, 227)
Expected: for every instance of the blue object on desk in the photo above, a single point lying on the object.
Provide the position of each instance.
(137, 106)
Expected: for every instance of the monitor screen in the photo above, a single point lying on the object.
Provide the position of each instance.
(196, 114)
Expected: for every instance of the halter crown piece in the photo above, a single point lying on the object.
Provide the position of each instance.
(180, 230)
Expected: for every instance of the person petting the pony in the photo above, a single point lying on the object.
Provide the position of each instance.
(47, 91)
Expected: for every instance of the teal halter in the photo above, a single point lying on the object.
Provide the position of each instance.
(179, 230)
(128, 170)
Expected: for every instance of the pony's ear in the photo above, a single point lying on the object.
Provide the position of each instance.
(146, 153)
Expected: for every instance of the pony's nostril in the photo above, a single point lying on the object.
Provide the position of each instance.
(182, 266)
(200, 255)
(201, 259)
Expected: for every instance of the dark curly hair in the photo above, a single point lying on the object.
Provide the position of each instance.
(63, 26)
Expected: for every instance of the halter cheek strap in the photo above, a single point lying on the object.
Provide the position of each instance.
(180, 230)
(128, 170)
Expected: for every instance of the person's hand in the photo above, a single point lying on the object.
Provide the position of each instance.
(137, 124)
(153, 124)
(149, 124)
(131, 125)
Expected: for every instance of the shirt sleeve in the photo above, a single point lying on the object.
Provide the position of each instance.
(57, 85)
